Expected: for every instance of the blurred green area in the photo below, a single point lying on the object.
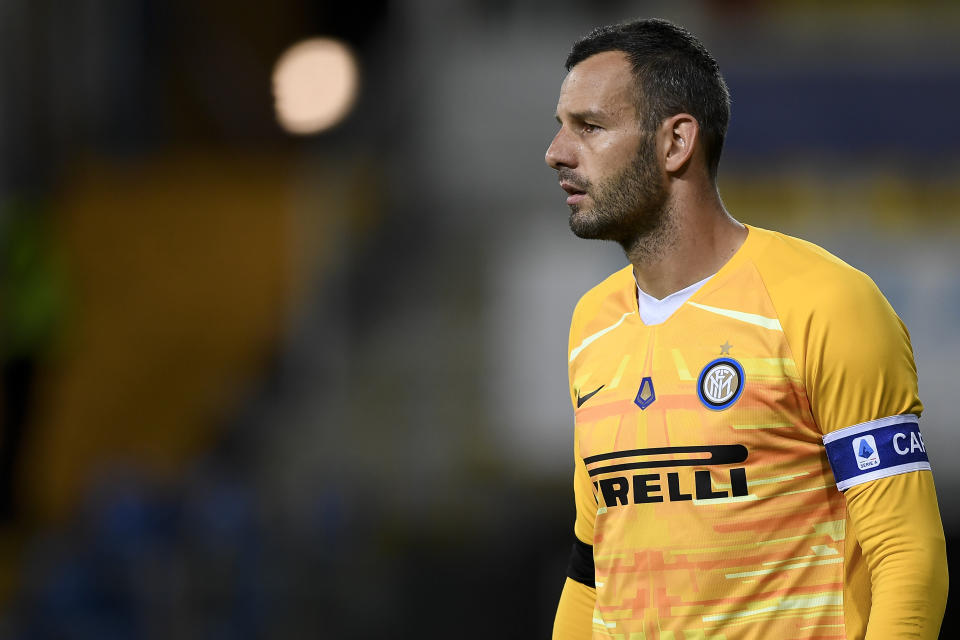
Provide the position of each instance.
(32, 283)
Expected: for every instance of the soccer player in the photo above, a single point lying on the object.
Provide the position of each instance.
(748, 462)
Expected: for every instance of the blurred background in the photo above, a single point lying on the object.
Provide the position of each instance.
(285, 289)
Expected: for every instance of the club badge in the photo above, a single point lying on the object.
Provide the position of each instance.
(720, 383)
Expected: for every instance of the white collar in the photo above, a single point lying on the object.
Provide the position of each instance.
(654, 311)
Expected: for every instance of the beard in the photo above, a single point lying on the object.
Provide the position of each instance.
(629, 208)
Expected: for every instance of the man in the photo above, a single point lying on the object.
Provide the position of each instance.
(748, 462)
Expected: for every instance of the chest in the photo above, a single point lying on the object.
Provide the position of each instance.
(690, 407)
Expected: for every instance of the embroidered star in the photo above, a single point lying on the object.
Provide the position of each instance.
(725, 348)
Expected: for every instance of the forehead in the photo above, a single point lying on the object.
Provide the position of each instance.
(602, 82)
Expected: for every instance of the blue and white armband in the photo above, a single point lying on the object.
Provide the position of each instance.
(876, 449)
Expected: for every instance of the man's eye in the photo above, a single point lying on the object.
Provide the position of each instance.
(591, 128)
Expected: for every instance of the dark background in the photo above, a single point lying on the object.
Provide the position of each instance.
(261, 385)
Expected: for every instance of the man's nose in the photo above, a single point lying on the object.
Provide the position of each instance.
(560, 153)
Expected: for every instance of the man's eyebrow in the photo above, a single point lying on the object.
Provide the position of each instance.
(585, 115)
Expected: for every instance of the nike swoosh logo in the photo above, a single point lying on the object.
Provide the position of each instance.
(582, 399)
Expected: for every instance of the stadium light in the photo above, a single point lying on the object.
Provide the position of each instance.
(315, 84)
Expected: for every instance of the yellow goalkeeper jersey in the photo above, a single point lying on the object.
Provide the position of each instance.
(712, 450)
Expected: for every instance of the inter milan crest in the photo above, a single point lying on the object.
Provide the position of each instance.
(720, 383)
(646, 394)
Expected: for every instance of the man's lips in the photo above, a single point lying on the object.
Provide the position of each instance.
(576, 193)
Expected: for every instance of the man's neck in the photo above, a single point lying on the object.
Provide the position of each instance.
(700, 239)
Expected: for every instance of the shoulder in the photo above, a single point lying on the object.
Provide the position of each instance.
(611, 292)
(804, 278)
(853, 350)
(604, 305)
(794, 265)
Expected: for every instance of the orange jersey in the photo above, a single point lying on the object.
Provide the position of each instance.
(702, 476)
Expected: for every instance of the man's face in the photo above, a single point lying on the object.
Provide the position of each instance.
(604, 159)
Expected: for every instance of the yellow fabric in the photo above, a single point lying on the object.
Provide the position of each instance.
(905, 553)
(573, 621)
(759, 544)
(853, 350)
(858, 364)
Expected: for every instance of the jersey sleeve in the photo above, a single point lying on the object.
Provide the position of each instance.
(861, 381)
(862, 385)
(586, 502)
(574, 620)
(897, 523)
(858, 363)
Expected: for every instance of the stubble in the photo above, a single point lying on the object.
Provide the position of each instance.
(630, 208)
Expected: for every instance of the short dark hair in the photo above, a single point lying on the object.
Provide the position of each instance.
(674, 73)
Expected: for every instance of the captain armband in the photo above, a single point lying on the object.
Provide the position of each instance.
(876, 449)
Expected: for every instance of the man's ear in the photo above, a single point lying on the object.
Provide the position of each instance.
(681, 134)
